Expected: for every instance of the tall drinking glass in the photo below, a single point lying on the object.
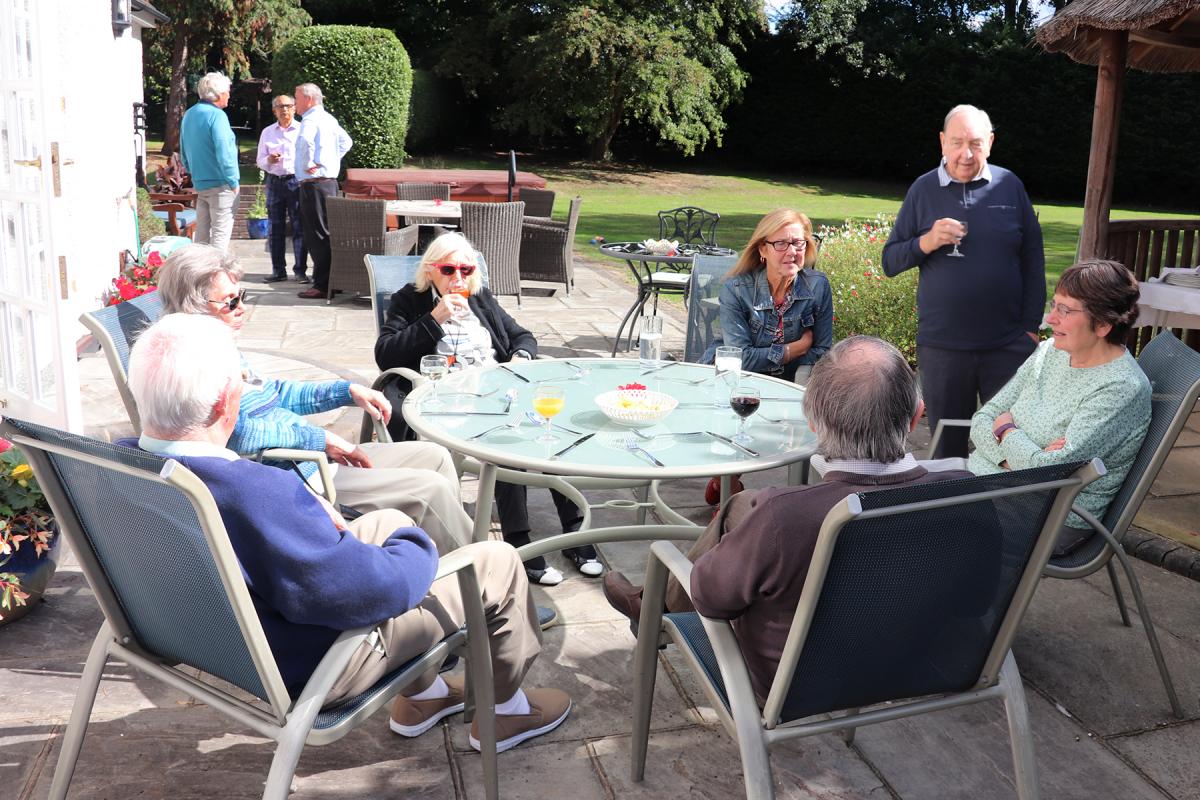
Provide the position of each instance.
(728, 366)
(650, 342)
(547, 402)
(434, 367)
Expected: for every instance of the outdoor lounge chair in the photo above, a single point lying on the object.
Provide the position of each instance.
(546, 248)
(182, 605)
(495, 230)
(358, 228)
(1173, 369)
(910, 605)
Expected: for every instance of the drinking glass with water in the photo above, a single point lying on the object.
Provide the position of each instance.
(650, 342)
(728, 365)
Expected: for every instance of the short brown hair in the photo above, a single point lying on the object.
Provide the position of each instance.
(1108, 291)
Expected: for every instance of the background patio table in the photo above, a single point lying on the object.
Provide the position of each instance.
(447, 209)
(605, 455)
(1162, 305)
(476, 185)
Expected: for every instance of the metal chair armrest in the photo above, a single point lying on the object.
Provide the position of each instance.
(937, 433)
(316, 456)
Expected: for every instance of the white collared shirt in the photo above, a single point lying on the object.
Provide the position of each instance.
(863, 467)
(186, 449)
(944, 178)
(322, 141)
(278, 139)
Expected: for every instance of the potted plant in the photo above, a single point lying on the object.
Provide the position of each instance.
(28, 537)
(256, 218)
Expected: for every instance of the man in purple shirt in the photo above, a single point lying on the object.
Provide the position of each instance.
(277, 159)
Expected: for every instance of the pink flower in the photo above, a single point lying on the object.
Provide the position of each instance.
(5, 445)
(154, 260)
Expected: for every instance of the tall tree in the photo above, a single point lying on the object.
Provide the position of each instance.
(226, 31)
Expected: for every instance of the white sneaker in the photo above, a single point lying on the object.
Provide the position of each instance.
(592, 568)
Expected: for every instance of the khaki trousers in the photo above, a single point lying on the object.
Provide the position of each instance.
(514, 637)
(416, 478)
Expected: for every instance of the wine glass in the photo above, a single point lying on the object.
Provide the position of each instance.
(434, 367)
(547, 402)
(466, 312)
(744, 400)
(728, 364)
(955, 252)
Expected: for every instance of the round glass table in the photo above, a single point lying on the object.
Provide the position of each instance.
(469, 412)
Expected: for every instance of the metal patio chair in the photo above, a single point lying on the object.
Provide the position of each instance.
(358, 228)
(910, 605)
(704, 305)
(182, 605)
(689, 224)
(547, 248)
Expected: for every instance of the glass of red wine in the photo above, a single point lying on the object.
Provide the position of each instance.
(744, 400)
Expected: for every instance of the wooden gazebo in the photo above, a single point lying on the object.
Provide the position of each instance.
(1113, 35)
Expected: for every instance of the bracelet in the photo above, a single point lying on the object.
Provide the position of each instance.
(1003, 429)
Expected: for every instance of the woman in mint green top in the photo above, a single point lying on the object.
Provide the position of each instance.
(1081, 395)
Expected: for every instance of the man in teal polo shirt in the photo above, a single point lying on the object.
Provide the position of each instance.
(209, 151)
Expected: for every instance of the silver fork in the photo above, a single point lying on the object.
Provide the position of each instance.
(632, 446)
(474, 394)
(680, 435)
(536, 420)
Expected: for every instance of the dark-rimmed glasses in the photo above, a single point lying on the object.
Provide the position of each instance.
(466, 270)
(782, 245)
(232, 303)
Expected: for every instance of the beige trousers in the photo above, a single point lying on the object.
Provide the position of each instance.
(513, 633)
(416, 478)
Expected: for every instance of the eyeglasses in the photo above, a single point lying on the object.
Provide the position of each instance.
(782, 245)
(228, 306)
(286, 105)
(466, 270)
(1064, 311)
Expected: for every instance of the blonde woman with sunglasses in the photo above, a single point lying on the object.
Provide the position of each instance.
(447, 311)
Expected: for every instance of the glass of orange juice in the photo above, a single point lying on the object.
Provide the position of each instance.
(547, 402)
(464, 294)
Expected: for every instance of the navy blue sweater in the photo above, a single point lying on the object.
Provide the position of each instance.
(997, 291)
(309, 581)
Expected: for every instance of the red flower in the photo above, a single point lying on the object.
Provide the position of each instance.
(154, 260)
(631, 387)
(5, 445)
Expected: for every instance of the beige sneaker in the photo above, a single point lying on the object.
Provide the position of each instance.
(547, 710)
(414, 717)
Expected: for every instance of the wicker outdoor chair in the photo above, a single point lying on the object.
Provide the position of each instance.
(546, 248)
(538, 202)
(358, 228)
(430, 227)
(495, 230)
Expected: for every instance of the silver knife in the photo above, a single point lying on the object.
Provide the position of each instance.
(513, 372)
(572, 446)
(463, 414)
(659, 368)
(732, 443)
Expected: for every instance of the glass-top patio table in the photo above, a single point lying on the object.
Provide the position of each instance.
(470, 420)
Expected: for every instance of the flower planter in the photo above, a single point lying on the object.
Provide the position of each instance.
(34, 573)
(257, 228)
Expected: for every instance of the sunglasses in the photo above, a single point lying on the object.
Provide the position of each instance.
(232, 303)
(466, 270)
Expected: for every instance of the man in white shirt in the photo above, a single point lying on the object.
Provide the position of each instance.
(277, 158)
(319, 150)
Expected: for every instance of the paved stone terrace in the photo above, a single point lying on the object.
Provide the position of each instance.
(1101, 721)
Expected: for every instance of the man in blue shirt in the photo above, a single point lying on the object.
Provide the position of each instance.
(319, 150)
(971, 229)
(209, 151)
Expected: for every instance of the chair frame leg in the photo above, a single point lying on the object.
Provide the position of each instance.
(1135, 588)
(1118, 594)
(81, 713)
(645, 668)
(1020, 733)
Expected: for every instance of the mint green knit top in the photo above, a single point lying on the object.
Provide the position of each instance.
(1103, 411)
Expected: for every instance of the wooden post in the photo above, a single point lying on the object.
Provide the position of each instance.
(1110, 85)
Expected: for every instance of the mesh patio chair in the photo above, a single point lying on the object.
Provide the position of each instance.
(182, 605)
(689, 224)
(495, 230)
(546, 248)
(538, 202)
(358, 228)
(429, 227)
(1173, 369)
(912, 600)
(704, 306)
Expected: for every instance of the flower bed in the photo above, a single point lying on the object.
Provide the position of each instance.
(25, 525)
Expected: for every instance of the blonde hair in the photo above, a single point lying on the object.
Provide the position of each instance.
(440, 250)
(750, 260)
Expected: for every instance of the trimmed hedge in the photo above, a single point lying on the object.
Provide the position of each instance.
(434, 111)
(366, 78)
(149, 225)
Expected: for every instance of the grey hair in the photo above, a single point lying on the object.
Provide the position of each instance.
(964, 108)
(446, 246)
(185, 277)
(861, 399)
(278, 98)
(312, 92)
(212, 86)
(178, 370)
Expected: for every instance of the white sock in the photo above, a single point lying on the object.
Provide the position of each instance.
(515, 706)
(437, 690)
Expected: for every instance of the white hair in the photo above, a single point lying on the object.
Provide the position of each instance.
(212, 86)
(963, 108)
(445, 247)
(312, 92)
(178, 370)
(185, 278)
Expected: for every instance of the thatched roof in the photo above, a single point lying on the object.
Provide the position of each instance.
(1164, 35)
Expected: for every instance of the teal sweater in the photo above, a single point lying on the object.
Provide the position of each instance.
(209, 148)
(1103, 411)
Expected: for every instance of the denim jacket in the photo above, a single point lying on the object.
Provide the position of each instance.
(748, 320)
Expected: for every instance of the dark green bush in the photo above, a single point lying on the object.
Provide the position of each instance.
(366, 78)
(434, 111)
(148, 224)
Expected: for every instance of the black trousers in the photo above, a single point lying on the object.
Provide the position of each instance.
(513, 509)
(316, 227)
(956, 382)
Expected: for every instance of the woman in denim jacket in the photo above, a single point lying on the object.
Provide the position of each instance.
(776, 310)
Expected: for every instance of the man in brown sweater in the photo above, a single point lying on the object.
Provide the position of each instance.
(752, 560)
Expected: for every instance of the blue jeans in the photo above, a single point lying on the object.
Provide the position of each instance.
(283, 201)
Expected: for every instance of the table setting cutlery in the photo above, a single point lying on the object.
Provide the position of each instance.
(632, 446)
(483, 433)
(649, 437)
(571, 446)
(734, 444)
(513, 372)
(660, 368)
(471, 394)
(462, 414)
(536, 420)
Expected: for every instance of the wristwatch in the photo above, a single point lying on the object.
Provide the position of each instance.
(1003, 429)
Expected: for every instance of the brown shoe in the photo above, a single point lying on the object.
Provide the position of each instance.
(312, 294)
(624, 597)
(547, 710)
(414, 717)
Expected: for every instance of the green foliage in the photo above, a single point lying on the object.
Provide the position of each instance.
(865, 301)
(25, 520)
(434, 111)
(259, 208)
(148, 224)
(366, 78)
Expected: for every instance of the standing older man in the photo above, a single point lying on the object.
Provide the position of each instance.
(319, 151)
(312, 574)
(862, 402)
(970, 228)
(209, 151)
(277, 159)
